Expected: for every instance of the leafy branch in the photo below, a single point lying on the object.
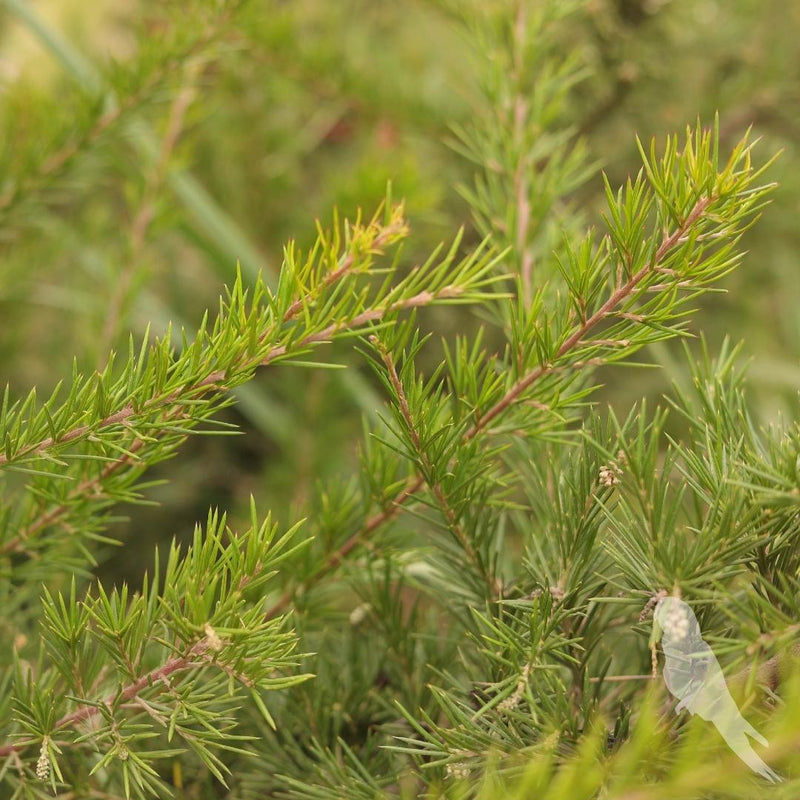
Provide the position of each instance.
(204, 616)
(528, 159)
(114, 424)
(628, 285)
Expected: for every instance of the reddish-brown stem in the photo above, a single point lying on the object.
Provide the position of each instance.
(92, 487)
(617, 296)
(185, 662)
(380, 240)
(520, 178)
(87, 712)
(175, 664)
(358, 538)
(216, 379)
(427, 466)
(61, 158)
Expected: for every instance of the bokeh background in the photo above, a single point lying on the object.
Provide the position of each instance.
(146, 147)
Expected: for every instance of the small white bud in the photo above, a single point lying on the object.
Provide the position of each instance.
(457, 770)
(609, 474)
(212, 640)
(359, 614)
(43, 764)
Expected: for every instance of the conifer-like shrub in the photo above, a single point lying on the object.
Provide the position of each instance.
(461, 549)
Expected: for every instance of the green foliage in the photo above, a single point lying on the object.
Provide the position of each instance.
(459, 605)
(205, 618)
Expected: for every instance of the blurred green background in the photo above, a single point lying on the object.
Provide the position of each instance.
(146, 147)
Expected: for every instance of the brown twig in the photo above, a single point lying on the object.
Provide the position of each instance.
(61, 158)
(768, 672)
(382, 238)
(359, 538)
(89, 488)
(620, 678)
(620, 293)
(197, 656)
(93, 486)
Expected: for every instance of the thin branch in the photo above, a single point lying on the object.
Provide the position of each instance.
(216, 380)
(196, 656)
(61, 159)
(427, 466)
(769, 672)
(621, 678)
(521, 188)
(360, 537)
(87, 712)
(91, 488)
(620, 294)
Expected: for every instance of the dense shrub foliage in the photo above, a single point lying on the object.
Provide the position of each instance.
(430, 562)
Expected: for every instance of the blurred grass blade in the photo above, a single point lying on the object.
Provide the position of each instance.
(212, 222)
